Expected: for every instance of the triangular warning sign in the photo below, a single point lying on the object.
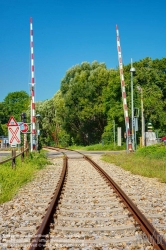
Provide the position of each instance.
(12, 122)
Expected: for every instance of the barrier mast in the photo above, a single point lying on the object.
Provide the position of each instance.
(125, 108)
(33, 118)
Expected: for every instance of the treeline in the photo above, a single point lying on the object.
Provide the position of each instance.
(88, 107)
(13, 105)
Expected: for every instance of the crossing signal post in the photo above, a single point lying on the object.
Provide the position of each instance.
(142, 117)
(38, 132)
(132, 70)
(23, 119)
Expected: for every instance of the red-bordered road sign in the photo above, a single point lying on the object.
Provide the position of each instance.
(25, 128)
(12, 122)
(14, 135)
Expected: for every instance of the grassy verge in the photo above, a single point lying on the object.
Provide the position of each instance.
(12, 179)
(98, 147)
(148, 161)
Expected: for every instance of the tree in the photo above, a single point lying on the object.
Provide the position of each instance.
(2, 113)
(1, 130)
(113, 106)
(151, 78)
(46, 110)
(82, 87)
(61, 137)
(89, 103)
(14, 104)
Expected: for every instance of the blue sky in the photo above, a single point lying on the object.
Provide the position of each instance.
(69, 32)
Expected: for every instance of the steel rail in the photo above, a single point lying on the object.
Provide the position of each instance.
(153, 235)
(57, 149)
(39, 239)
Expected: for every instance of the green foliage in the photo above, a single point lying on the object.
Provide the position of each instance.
(157, 151)
(12, 179)
(61, 137)
(1, 130)
(13, 105)
(112, 98)
(150, 76)
(4, 130)
(83, 116)
(64, 138)
(110, 132)
(2, 113)
(90, 99)
(47, 123)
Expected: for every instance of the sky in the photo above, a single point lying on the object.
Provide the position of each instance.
(69, 32)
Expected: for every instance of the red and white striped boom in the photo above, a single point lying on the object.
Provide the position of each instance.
(125, 108)
(33, 118)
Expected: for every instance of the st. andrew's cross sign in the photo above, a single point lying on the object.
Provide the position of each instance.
(13, 132)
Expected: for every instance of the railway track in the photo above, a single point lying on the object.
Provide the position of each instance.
(90, 211)
(20, 216)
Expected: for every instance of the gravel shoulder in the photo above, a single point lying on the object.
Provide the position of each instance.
(147, 193)
(24, 211)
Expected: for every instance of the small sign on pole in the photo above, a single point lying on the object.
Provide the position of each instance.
(12, 122)
(14, 135)
(13, 132)
(119, 136)
(25, 128)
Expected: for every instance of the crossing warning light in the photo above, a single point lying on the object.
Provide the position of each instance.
(150, 127)
(23, 117)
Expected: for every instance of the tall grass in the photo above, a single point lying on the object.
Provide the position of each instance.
(12, 179)
(147, 161)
